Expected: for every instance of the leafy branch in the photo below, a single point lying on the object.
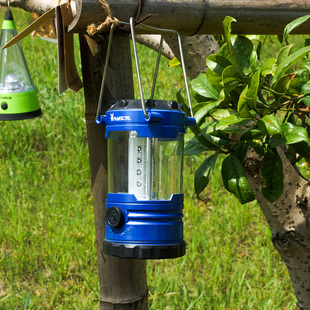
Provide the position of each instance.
(244, 101)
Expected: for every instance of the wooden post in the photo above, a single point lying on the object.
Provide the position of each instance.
(122, 281)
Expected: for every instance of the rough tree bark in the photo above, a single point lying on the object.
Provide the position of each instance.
(196, 49)
(194, 57)
(289, 221)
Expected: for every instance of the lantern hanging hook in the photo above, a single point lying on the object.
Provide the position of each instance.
(8, 4)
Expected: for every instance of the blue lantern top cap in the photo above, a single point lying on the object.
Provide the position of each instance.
(166, 118)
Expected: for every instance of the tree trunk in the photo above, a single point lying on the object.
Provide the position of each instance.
(122, 281)
(196, 49)
(288, 219)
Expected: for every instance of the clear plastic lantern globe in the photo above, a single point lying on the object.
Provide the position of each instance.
(18, 97)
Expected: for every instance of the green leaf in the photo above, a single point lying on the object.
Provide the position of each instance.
(221, 113)
(227, 121)
(256, 139)
(243, 48)
(283, 54)
(270, 125)
(302, 148)
(215, 138)
(218, 138)
(243, 107)
(215, 80)
(268, 67)
(194, 147)
(253, 89)
(254, 60)
(272, 173)
(234, 129)
(276, 141)
(200, 105)
(283, 84)
(227, 30)
(289, 61)
(174, 62)
(256, 37)
(306, 88)
(204, 88)
(203, 112)
(306, 66)
(293, 25)
(306, 101)
(217, 63)
(240, 150)
(228, 91)
(227, 35)
(254, 134)
(235, 180)
(203, 173)
(294, 134)
(230, 75)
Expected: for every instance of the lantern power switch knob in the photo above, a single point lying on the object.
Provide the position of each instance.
(115, 217)
(4, 106)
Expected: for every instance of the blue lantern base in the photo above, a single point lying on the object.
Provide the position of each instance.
(147, 229)
(144, 251)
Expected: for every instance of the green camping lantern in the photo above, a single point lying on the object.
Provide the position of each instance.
(18, 98)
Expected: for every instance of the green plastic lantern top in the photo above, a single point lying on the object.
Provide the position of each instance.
(8, 21)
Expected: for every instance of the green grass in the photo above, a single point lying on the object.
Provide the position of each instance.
(47, 236)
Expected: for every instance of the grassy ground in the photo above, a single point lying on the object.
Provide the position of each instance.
(47, 238)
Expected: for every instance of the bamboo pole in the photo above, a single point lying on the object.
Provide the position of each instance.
(200, 16)
(122, 281)
(187, 16)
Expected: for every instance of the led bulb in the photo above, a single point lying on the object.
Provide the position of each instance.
(142, 167)
(12, 83)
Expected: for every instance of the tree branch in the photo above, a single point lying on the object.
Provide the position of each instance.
(37, 6)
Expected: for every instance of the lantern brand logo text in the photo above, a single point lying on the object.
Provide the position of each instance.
(120, 118)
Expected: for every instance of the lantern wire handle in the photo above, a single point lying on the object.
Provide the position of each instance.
(157, 66)
(104, 75)
(155, 29)
(133, 38)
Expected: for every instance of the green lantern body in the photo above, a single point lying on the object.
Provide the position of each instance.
(18, 98)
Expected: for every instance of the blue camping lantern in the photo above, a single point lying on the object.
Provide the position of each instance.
(145, 164)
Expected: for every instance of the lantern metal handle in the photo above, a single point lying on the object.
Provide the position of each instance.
(104, 75)
(160, 30)
(153, 29)
(8, 4)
